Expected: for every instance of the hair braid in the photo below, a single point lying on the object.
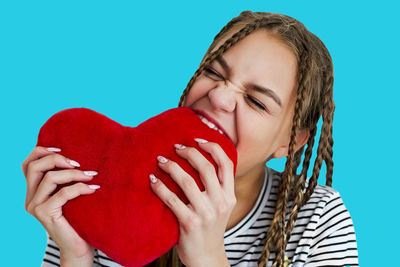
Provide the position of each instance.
(297, 161)
(276, 236)
(299, 185)
(317, 167)
(321, 151)
(308, 153)
(328, 155)
(325, 151)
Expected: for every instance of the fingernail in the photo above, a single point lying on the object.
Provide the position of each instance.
(153, 179)
(53, 149)
(73, 163)
(162, 159)
(179, 146)
(90, 173)
(200, 141)
(94, 186)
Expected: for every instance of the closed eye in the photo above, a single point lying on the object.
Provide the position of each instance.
(255, 102)
(213, 72)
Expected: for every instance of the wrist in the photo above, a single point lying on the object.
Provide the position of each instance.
(72, 261)
(222, 260)
(218, 260)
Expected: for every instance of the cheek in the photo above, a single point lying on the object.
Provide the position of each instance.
(199, 89)
(256, 139)
(253, 152)
(264, 137)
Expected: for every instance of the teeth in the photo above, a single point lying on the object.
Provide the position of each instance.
(209, 124)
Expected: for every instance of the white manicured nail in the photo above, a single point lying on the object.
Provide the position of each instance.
(94, 186)
(90, 173)
(201, 141)
(179, 146)
(153, 179)
(73, 163)
(53, 149)
(162, 159)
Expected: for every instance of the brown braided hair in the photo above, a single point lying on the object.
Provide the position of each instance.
(314, 99)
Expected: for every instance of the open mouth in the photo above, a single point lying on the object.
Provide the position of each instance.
(210, 122)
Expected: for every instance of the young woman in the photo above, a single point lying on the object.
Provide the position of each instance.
(266, 80)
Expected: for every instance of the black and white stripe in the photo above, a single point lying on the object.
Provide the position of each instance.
(323, 234)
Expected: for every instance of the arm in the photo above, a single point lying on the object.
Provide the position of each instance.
(52, 257)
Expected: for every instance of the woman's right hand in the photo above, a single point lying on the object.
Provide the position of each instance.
(47, 208)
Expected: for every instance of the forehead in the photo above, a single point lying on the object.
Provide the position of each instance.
(264, 59)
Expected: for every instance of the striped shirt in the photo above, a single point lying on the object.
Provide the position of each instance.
(323, 234)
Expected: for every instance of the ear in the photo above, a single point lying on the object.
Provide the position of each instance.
(302, 138)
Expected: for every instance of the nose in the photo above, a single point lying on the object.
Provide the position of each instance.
(224, 96)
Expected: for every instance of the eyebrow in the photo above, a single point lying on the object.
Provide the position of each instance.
(261, 89)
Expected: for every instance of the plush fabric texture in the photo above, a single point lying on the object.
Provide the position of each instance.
(124, 218)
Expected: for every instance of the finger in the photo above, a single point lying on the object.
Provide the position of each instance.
(37, 152)
(185, 182)
(50, 210)
(53, 178)
(37, 168)
(170, 199)
(206, 170)
(224, 163)
(50, 214)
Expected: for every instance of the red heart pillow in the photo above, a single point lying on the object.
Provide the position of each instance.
(124, 218)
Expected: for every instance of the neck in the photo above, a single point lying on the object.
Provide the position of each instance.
(247, 190)
(250, 183)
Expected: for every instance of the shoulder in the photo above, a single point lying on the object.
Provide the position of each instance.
(323, 233)
(324, 211)
(328, 209)
(325, 201)
(329, 232)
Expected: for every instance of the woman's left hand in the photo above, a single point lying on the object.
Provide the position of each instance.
(203, 221)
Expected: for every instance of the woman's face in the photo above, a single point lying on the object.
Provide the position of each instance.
(258, 123)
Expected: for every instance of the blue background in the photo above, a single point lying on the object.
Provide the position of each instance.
(131, 61)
